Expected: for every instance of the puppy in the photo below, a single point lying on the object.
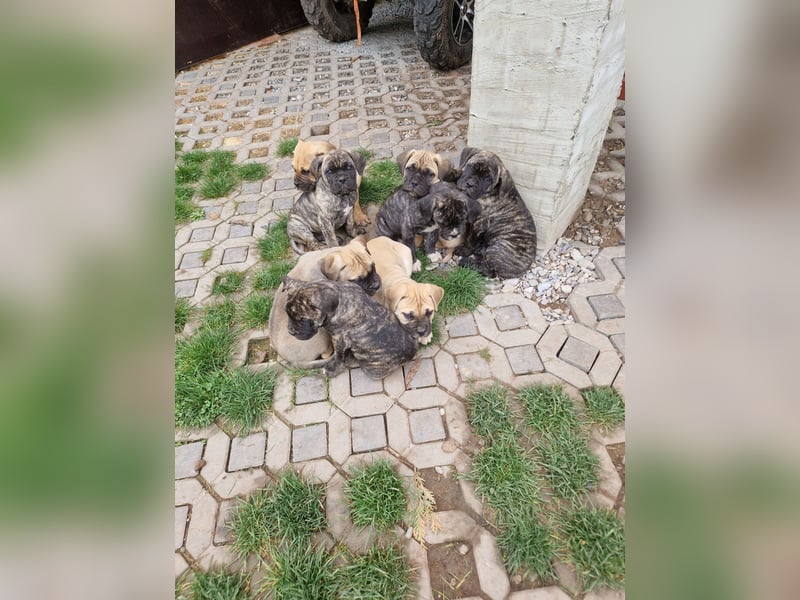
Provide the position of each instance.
(452, 212)
(414, 304)
(315, 216)
(346, 263)
(400, 217)
(359, 326)
(304, 180)
(502, 240)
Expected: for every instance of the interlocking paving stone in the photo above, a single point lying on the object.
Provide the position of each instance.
(489, 562)
(618, 340)
(524, 359)
(311, 389)
(279, 204)
(620, 264)
(223, 534)
(361, 385)
(187, 457)
(461, 326)
(239, 230)
(606, 306)
(473, 366)
(234, 255)
(284, 184)
(546, 593)
(181, 512)
(212, 212)
(426, 426)
(247, 208)
(203, 234)
(509, 317)
(251, 187)
(424, 377)
(192, 260)
(578, 353)
(247, 452)
(369, 433)
(309, 442)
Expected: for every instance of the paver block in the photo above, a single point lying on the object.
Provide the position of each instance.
(248, 208)
(369, 433)
(473, 366)
(180, 565)
(187, 458)
(247, 452)
(223, 534)
(284, 184)
(453, 525)
(239, 483)
(426, 426)
(606, 306)
(310, 389)
(279, 204)
(489, 563)
(461, 326)
(361, 385)
(339, 442)
(605, 594)
(578, 353)
(509, 317)
(202, 234)
(546, 593)
(618, 339)
(192, 260)
(425, 376)
(181, 513)
(234, 255)
(278, 445)
(619, 262)
(524, 359)
(309, 442)
(241, 230)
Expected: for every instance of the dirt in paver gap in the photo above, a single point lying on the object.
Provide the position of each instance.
(445, 489)
(617, 454)
(453, 575)
(259, 351)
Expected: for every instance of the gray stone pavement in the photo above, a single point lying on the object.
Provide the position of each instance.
(381, 96)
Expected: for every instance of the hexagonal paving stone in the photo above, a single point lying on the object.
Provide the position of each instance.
(187, 457)
(309, 442)
(202, 234)
(247, 208)
(241, 230)
(369, 433)
(461, 326)
(618, 340)
(310, 389)
(247, 452)
(186, 288)
(509, 317)
(524, 359)
(620, 264)
(234, 255)
(606, 306)
(426, 426)
(578, 353)
(192, 260)
(181, 512)
(473, 366)
(425, 375)
(361, 385)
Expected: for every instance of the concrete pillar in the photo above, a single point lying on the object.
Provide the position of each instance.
(545, 78)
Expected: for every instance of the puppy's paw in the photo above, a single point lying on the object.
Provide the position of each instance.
(333, 368)
(435, 257)
(361, 220)
(424, 341)
(416, 267)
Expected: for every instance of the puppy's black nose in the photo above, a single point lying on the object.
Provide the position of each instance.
(423, 330)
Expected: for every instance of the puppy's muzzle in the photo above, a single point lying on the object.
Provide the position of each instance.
(470, 186)
(302, 329)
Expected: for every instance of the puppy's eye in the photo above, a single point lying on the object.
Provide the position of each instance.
(408, 316)
(427, 173)
(428, 312)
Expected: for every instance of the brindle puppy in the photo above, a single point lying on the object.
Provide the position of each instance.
(360, 327)
(315, 216)
(502, 241)
(400, 217)
(453, 212)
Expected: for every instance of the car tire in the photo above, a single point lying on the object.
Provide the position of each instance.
(443, 29)
(335, 19)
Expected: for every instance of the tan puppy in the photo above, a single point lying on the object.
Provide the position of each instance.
(343, 263)
(304, 180)
(414, 304)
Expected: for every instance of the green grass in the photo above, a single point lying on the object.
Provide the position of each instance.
(185, 209)
(183, 312)
(604, 406)
(207, 350)
(367, 154)
(216, 186)
(228, 283)
(221, 161)
(287, 510)
(380, 574)
(300, 572)
(380, 179)
(570, 467)
(195, 157)
(464, 288)
(196, 401)
(489, 412)
(548, 408)
(256, 310)
(187, 173)
(275, 244)
(220, 585)
(244, 396)
(595, 543)
(220, 315)
(206, 255)
(504, 477)
(271, 277)
(286, 146)
(253, 171)
(376, 495)
(527, 545)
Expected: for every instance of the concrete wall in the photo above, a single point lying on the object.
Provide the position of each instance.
(545, 78)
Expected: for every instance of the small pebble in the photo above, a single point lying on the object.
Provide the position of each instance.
(463, 549)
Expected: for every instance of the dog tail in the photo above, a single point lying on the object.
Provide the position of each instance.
(313, 364)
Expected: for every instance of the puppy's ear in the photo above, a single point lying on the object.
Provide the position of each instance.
(435, 292)
(330, 265)
(473, 210)
(289, 283)
(298, 149)
(466, 154)
(403, 159)
(361, 240)
(443, 165)
(316, 165)
(359, 160)
(505, 182)
(328, 302)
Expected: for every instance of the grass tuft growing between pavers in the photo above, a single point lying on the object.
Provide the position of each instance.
(275, 244)
(505, 478)
(376, 495)
(570, 467)
(548, 408)
(220, 585)
(286, 146)
(489, 412)
(299, 571)
(219, 315)
(595, 545)
(527, 544)
(245, 395)
(253, 171)
(256, 310)
(272, 275)
(379, 181)
(183, 312)
(464, 288)
(216, 186)
(380, 574)
(227, 283)
(188, 173)
(206, 351)
(604, 406)
(185, 209)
